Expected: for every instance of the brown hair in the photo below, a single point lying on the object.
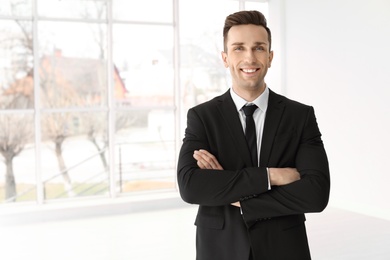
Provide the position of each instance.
(245, 17)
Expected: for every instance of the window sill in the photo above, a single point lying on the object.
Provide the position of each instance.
(92, 207)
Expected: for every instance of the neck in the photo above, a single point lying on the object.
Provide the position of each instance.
(251, 94)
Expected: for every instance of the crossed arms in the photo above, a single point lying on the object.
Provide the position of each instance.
(277, 176)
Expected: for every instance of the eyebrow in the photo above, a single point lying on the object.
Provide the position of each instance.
(241, 43)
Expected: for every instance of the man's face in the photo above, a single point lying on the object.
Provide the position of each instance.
(247, 56)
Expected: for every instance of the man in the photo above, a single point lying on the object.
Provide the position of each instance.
(252, 202)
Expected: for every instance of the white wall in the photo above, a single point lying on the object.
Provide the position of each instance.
(335, 56)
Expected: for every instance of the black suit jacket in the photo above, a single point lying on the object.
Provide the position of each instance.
(271, 223)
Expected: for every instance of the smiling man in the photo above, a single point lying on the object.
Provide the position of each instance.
(248, 56)
(251, 159)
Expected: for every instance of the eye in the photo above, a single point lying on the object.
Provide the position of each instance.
(238, 48)
(259, 48)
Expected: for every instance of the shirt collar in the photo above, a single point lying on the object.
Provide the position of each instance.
(261, 101)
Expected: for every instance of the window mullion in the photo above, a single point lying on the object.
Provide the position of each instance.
(37, 108)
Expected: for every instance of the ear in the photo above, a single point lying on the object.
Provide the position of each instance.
(224, 59)
(270, 58)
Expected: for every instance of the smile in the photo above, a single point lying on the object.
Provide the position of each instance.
(249, 70)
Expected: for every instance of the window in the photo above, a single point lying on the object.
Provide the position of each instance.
(92, 97)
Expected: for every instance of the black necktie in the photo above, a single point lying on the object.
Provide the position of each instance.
(250, 132)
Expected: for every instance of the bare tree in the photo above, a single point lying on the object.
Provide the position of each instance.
(55, 126)
(16, 129)
(15, 132)
(57, 92)
(14, 135)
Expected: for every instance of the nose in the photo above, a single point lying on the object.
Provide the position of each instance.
(250, 56)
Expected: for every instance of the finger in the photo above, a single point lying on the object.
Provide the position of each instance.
(205, 159)
(210, 159)
(201, 161)
(201, 165)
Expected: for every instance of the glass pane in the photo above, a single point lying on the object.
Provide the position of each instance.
(85, 9)
(74, 154)
(202, 72)
(145, 64)
(146, 10)
(17, 167)
(16, 7)
(16, 65)
(73, 65)
(144, 151)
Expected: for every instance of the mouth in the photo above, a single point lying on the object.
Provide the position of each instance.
(250, 71)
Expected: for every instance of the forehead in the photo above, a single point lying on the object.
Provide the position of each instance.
(247, 34)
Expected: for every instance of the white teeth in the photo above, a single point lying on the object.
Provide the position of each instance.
(248, 70)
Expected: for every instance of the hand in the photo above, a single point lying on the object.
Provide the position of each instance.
(206, 160)
(283, 176)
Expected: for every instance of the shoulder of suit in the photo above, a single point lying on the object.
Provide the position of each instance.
(212, 102)
(287, 101)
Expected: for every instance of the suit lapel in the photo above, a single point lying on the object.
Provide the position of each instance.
(272, 119)
(229, 113)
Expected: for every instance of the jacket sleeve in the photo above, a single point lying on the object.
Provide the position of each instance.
(213, 187)
(309, 194)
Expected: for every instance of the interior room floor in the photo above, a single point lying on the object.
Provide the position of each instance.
(170, 235)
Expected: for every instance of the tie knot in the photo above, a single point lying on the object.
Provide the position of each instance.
(249, 110)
